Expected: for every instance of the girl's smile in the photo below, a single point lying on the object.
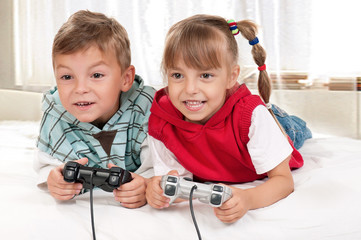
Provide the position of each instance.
(197, 93)
(193, 105)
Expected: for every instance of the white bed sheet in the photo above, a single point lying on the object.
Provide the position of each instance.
(324, 205)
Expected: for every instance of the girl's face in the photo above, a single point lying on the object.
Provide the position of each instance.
(199, 94)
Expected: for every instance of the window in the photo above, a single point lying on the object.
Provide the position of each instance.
(310, 44)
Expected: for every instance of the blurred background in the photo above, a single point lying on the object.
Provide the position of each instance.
(313, 51)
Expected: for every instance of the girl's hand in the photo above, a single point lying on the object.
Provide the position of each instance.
(60, 189)
(234, 208)
(131, 194)
(154, 192)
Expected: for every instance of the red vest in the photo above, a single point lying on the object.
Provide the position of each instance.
(216, 151)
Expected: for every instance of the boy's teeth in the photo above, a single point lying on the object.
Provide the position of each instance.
(83, 104)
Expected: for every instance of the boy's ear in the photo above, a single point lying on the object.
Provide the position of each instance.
(234, 76)
(128, 78)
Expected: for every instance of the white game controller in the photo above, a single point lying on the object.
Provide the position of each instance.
(177, 187)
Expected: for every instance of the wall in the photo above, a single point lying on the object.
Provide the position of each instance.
(6, 44)
(329, 112)
(20, 105)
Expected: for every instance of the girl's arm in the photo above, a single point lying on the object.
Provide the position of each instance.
(278, 186)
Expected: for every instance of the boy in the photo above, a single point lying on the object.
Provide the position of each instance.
(98, 113)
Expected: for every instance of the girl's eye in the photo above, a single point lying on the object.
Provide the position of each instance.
(206, 75)
(98, 75)
(65, 77)
(177, 75)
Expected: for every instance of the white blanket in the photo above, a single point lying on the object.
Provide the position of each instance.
(324, 205)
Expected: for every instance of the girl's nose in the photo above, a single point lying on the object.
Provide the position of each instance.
(191, 86)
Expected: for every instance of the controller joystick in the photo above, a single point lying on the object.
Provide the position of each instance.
(106, 179)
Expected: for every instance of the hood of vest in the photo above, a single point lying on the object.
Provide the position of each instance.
(164, 109)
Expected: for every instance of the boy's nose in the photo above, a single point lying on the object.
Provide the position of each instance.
(81, 86)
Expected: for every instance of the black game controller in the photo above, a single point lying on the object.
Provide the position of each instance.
(106, 179)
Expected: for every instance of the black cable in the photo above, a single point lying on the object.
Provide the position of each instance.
(192, 212)
(91, 204)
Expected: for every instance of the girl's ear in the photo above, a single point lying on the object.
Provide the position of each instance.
(235, 70)
(128, 78)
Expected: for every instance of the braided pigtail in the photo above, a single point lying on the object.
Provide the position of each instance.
(248, 29)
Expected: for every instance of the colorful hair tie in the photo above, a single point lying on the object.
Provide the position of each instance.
(233, 26)
(262, 68)
(254, 41)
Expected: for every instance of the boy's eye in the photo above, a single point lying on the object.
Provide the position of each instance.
(97, 75)
(177, 75)
(206, 75)
(66, 77)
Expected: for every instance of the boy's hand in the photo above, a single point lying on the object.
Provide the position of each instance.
(154, 192)
(60, 189)
(131, 194)
(234, 208)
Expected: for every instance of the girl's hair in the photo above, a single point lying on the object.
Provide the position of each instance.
(198, 40)
(85, 28)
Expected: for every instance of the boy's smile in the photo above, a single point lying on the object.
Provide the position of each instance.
(89, 84)
(84, 105)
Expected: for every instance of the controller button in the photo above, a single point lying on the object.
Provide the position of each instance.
(188, 179)
(169, 190)
(218, 188)
(69, 174)
(114, 180)
(172, 179)
(216, 199)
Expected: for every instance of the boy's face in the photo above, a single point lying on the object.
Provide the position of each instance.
(89, 84)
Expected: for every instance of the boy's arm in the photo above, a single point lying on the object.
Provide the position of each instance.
(51, 177)
(161, 159)
(146, 169)
(43, 163)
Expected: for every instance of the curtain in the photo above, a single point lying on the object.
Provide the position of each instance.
(289, 32)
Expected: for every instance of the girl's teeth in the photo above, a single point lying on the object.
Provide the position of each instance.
(194, 103)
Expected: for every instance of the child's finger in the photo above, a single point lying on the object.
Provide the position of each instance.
(130, 199)
(82, 161)
(137, 184)
(173, 173)
(158, 203)
(110, 165)
(134, 204)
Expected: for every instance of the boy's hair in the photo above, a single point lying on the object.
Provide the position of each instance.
(85, 28)
(199, 39)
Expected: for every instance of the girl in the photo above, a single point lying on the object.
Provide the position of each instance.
(206, 124)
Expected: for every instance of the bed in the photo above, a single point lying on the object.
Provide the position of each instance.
(324, 205)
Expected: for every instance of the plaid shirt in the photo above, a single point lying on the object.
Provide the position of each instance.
(66, 138)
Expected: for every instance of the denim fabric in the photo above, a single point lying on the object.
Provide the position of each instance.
(294, 126)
